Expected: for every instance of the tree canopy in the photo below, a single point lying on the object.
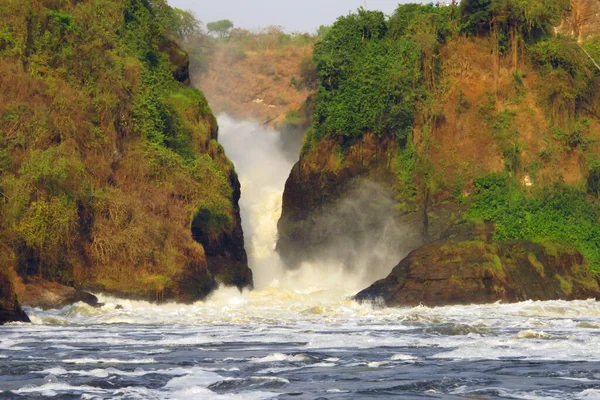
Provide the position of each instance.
(220, 28)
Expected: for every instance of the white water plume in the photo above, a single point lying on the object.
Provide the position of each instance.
(263, 167)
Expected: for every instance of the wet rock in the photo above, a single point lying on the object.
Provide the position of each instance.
(475, 272)
(225, 255)
(52, 295)
(10, 310)
(315, 185)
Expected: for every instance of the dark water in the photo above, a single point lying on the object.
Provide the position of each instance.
(285, 345)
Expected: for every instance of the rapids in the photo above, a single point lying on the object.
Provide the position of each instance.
(298, 335)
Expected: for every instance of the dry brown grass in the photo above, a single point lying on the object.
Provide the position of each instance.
(462, 145)
(265, 75)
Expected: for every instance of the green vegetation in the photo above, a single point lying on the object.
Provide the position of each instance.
(527, 19)
(221, 28)
(105, 157)
(560, 213)
(374, 71)
(386, 77)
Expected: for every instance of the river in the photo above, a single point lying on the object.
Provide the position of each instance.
(298, 335)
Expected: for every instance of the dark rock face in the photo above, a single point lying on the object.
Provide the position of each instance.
(477, 272)
(350, 213)
(52, 295)
(313, 192)
(10, 310)
(225, 254)
(180, 61)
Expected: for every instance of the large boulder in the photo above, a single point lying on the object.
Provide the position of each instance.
(46, 295)
(476, 272)
(10, 310)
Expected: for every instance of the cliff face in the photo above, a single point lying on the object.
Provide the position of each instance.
(10, 310)
(108, 159)
(479, 112)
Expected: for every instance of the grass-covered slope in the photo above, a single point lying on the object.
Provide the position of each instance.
(482, 106)
(108, 160)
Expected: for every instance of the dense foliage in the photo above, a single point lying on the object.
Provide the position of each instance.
(371, 71)
(105, 158)
(528, 19)
(387, 76)
(560, 213)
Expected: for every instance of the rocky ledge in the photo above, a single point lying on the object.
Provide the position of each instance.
(475, 272)
(10, 310)
(47, 295)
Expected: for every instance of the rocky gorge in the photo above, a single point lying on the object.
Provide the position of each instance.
(474, 122)
(460, 140)
(111, 176)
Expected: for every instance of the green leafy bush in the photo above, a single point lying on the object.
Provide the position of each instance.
(370, 72)
(560, 213)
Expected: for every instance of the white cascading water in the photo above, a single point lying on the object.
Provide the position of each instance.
(263, 169)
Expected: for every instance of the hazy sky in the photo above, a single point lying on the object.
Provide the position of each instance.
(293, 15)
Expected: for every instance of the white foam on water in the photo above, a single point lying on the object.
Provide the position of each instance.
(195, 377)
(277, 370)
(200, 393)
(589, 394)
(89, 360)
(403, 357)
(322, 365)
(195, 384)
(533, 334)
(378, 364)
(278, 357)
(55, 388)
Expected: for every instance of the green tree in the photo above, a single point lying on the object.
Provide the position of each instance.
(323, 30)
(184, 24)
(370, 76)
(220, 28)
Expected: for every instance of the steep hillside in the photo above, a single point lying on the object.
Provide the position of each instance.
(260, 76)
(111, 176)
(470, 113)
(582, 20)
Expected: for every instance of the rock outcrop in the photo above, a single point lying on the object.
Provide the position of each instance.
(225, 253)
(124, 177)
(51, 295)
(179, 59)
(583, 21)
(10, 309)
(475, 272)
(315, 185)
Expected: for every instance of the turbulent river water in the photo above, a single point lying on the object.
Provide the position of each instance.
(298, 336)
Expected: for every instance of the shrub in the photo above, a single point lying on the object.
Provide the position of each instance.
(308, 72)
(560, 213)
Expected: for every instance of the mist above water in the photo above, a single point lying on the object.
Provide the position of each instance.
(353, 258)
